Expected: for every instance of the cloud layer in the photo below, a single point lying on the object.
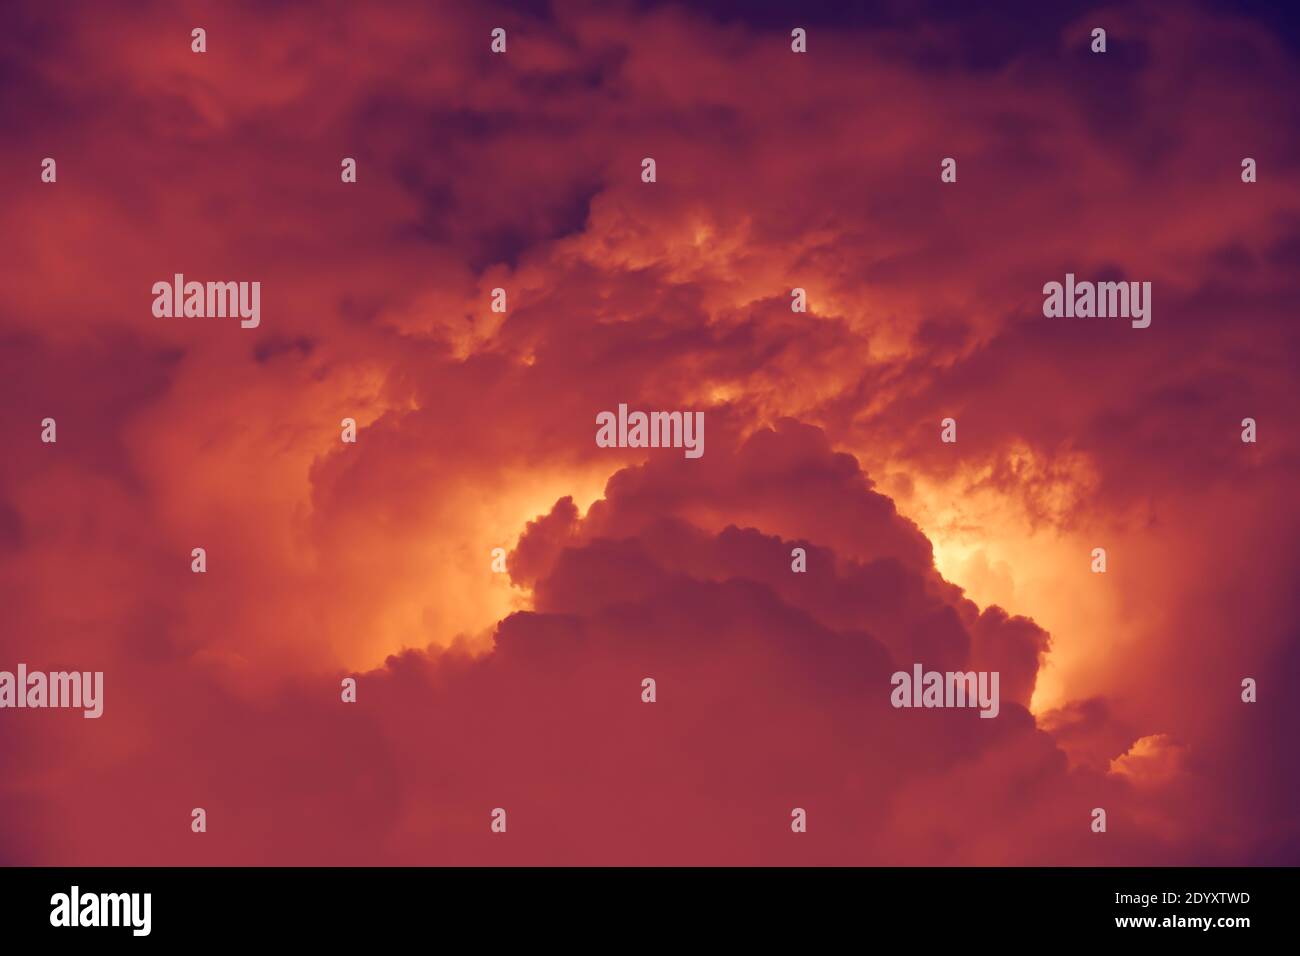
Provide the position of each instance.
(522, 690)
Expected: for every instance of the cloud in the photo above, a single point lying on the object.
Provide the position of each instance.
(522, 690)
(772, 693)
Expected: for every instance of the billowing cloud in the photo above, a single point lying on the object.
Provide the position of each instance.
(522, 689)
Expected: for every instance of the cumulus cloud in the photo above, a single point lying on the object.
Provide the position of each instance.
(522, 689)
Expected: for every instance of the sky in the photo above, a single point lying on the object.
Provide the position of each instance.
(521, 689)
